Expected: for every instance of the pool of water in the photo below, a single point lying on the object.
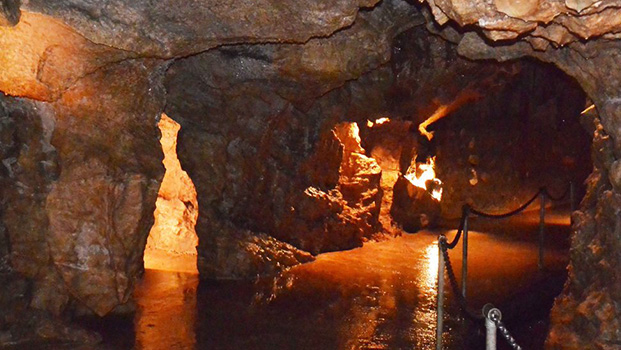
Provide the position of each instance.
(380, 296)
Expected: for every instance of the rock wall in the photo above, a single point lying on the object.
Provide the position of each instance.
(258, 91)
(83, 165)
(581, 38)
(537, 141)
(257, 138)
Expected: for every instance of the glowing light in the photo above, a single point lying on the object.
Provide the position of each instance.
(172, 241)
(442, 111)
(431, 267)
(589, 108)
(420, 175)
(379, 121)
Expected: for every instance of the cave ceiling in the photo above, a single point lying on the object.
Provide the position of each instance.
(110, 67)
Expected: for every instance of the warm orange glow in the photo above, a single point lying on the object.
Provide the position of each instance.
(172, 241)
(41, 57)
(166, 310)
(379, 121)
(442, 111)
(420, 174)
(431, 267)
(589, 108)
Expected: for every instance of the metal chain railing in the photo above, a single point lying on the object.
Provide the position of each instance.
(511, 213)
(463, 303)
(493, 319)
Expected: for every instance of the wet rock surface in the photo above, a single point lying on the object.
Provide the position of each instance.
(169, 29)
(593, 64)
(413, 208)
(257, 107)
(74, 202)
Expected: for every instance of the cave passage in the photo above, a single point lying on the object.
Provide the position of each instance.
(383, 294)
(329, 144)
(171, 245)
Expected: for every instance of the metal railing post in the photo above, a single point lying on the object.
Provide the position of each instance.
(464, 263)
(491, 315)
(572, 196)
(440, 320)
(542, 216)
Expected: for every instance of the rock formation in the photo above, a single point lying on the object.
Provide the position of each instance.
(173, 236)
(581, 38)
(259, 88)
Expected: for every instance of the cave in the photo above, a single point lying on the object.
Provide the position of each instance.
(279, 175)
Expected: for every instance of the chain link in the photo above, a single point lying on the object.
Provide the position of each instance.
(463, 303)
(445, 246)
(505, 333)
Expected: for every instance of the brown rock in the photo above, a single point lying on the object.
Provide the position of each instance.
(538, 18)
(517, 8)
(239, 254)
(615, 175)
(413, 208)
(167, 28)
(89, 197)
(46, 57)
(9, 12)
(579, 5)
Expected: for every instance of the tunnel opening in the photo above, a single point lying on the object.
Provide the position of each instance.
(384, 293)
(172, 241)
(492, 133)
(492, 152)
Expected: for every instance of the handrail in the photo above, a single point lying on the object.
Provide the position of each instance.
(445, 263)
(511, 213)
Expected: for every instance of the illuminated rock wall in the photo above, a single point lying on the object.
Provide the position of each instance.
(172, 241)
(258, 87)
(258, 142)
(176, 208)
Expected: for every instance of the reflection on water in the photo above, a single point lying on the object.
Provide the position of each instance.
(425, 314)
(430, 267)
(166, 311)
(381, 296)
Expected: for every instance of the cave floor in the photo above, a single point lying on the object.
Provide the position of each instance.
(380, 296)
